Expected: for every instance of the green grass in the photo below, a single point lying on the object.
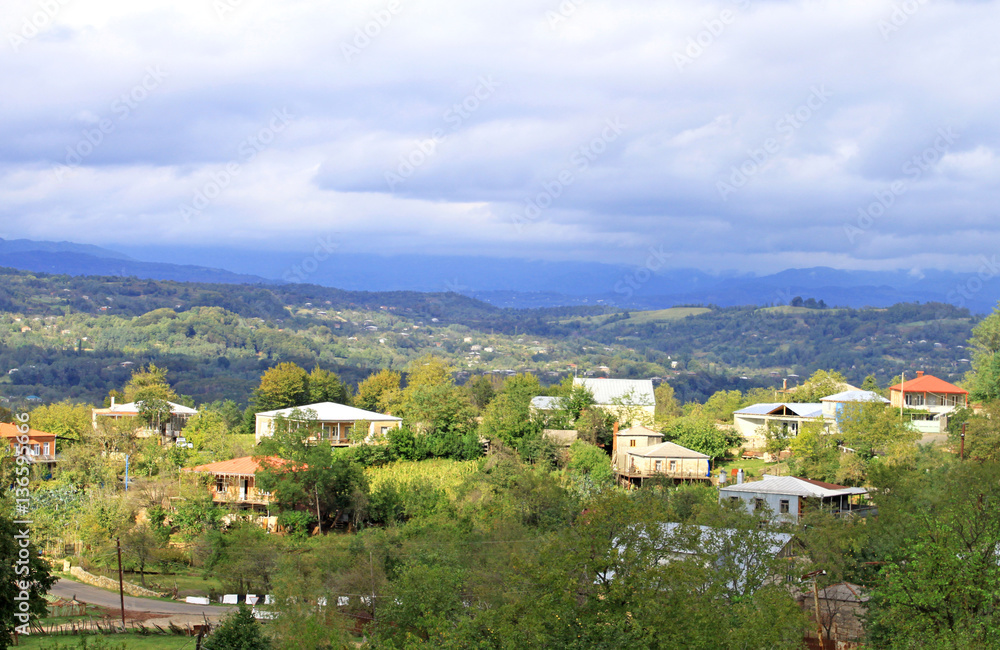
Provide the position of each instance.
(130, 641)
(658, 315)
(788, 309)
(755, 467)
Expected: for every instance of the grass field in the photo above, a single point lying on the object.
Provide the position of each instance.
(440, 472)
(642, 317)
(787, 309)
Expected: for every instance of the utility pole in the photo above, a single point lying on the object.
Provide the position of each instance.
(902, 393)
(814, 576)
(121, 580)
(961, 453)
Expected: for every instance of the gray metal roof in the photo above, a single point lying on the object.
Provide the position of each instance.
(855, 396)
(791, 486)
(546, 403)
(606, 391)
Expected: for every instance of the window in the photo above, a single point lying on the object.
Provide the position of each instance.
(35, 449)
(783, 506)
(220, 484)
(385, 430)
(659, 466)
(914, 399)
(45, 448)
(758, 504)
(673, 466)
(734, 499)
(631, 443)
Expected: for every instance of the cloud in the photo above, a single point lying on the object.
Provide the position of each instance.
(426, 126)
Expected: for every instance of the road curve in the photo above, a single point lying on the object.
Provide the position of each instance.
(67, 589)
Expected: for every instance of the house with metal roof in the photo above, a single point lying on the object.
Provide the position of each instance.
(789, 498)
(623, 397)
(546, 403)
(751, 422)
(639, 454)
(329, 421)
(169, 429)
(935, 398)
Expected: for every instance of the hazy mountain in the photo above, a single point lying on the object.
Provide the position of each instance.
(510, 282)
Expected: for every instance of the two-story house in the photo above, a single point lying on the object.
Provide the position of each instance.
(639, 453)
(39, 446)
(935, 398)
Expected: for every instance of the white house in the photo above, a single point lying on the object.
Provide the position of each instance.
(752, 421)
(335, 422)
(171, 428)
(791, 497)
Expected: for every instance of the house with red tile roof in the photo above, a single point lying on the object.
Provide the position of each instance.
(235, 480)
(39, 446)
(937, 397)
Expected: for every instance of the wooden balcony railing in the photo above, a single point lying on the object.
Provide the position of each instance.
(635, 472)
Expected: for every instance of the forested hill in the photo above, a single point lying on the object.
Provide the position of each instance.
(79, 337)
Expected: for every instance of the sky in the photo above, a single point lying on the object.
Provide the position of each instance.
(745, 135)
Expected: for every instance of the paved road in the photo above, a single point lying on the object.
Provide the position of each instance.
(68, 589)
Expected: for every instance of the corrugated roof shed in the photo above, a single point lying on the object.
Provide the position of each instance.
(802, 410)
(546, 403)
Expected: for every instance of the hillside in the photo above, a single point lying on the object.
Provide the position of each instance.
(81, 336)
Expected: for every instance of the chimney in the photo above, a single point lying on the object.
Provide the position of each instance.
(920, 373)
(739, 477)
(112, 401)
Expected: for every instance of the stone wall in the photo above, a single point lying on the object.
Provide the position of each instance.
(107, 583)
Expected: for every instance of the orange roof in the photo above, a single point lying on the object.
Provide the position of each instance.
(8, 430)
(929, 384)
(245, 466)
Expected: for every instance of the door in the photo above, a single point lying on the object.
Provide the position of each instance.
(244, 488)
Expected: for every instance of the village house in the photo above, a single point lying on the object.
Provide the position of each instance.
(624, 398)
(235, 482)
(333, 422)
(40, 447)
(752, 422)
(169, 429)
(638, 454)
(789, 498)
(934, 398)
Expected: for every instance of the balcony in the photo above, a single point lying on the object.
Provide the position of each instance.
(635, 472)
(236, 494)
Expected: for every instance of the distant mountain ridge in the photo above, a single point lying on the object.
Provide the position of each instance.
(510, 282)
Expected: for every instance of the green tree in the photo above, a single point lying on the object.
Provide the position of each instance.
(822, 383)
(592, 462)
(379, 392)
(326, 386)
(481, 389)
(701, 434)
(24, 578)
(815, 452)
(66, 419)
(873, 427)
(238, 631)
(984, 378)
(870, 383)
(667, 406)
(284, 385)
(149, 383)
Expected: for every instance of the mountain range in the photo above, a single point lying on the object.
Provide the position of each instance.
(510, 282)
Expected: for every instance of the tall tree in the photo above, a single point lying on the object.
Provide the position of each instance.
(24, 578)
(149, 383)
(379, 392)
(326, 386)
(284, 385)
